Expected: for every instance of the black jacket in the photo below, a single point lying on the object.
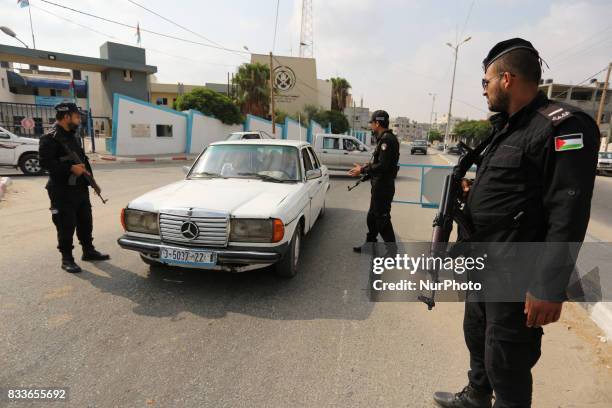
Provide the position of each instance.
(53, 157)
(383, 165)
(527, 168)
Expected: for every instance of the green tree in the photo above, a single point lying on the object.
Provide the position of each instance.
(212, 103)
(435, 135)
(473, 131)
(339, 122)
(253, 88)
(340, 90)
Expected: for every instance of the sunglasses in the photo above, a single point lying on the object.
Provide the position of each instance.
(485, 82)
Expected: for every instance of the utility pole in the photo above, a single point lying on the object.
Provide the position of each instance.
(602, 103)
(353, 131)
(272, 114)
(433, 102)
(450, 105)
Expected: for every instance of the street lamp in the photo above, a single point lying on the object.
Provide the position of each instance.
(450, 105)
(11, 33)
(246, 48)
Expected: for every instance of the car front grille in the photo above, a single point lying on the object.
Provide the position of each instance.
(212, 231)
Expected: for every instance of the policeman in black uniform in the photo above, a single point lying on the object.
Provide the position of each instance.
(67, 188)
(382, 170)
(540, 160)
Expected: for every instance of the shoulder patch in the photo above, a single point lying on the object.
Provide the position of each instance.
(569, 142)
(383, 146)
(556, 112)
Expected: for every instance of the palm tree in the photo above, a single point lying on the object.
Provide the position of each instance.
(253, 89)
(340, 88)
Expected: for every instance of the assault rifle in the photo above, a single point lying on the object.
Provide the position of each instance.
(73, 157)
(364, 177)
(451, 211)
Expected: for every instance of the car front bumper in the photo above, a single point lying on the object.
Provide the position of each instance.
(232, 259)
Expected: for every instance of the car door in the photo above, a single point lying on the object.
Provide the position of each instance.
(330, 153)
(312, 186)
(7, 148)
(322, 182)
(352, 153)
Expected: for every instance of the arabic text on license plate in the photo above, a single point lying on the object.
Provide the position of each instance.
(174, 255)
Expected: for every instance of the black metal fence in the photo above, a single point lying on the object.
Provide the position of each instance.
(11, 115)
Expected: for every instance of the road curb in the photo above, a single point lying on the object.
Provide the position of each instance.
(5, 182)
(119, 159)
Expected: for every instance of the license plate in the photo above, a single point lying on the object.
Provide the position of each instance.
(187, 256)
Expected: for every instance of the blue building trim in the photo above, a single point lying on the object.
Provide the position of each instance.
(115, 124)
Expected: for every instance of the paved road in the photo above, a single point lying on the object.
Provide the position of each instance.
(122, 334)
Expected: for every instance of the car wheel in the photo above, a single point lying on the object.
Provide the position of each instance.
(287, 266)
(30, 164)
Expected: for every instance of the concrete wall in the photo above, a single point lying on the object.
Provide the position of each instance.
(293, 131)
(314, 129)
(205, 130)
(254, 123)
(130, 111)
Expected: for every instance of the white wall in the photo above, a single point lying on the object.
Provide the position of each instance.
(256, 123)
(130, 111)
(206, 129)
(293, 130)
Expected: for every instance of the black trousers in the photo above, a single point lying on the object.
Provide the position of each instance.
(503, 350)
(379, 214)
(70, 211)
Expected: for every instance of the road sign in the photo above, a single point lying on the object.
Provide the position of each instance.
(27, 123)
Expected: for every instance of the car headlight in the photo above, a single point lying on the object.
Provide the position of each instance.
(249, 230)
(140, 221)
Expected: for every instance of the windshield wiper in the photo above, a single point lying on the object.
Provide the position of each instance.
(205, 174)
(264, 177)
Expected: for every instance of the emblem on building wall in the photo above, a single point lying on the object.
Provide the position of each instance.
(284, 78)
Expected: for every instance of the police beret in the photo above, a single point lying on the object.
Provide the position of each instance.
(67, 107)
(379, 116)
(504, 47)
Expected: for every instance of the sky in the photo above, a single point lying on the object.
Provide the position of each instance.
(392, 52)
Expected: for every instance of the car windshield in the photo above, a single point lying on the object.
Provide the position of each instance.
(604, 155)
(265, 162)
(420, 143)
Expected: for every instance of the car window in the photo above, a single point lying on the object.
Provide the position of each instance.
(307, 161)
(248, 161)
(251, 136)
(349, 144)
(331, 143)
(313, 158)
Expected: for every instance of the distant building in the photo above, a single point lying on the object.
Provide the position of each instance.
(441, 122)
(358, 117)
(401, 126)
(166, 94)
(585, 97)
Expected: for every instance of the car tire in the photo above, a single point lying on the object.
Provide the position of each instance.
(30, 164)
(288, 264)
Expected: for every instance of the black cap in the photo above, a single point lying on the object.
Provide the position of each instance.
(504, 47)
(67, 107)
(380, 116)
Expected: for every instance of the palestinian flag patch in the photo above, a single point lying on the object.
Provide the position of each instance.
(568, 142)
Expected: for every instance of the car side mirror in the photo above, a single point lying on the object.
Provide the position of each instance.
(313, 174)
(186, 169)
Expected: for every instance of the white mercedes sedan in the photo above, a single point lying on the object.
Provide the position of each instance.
(243, 205)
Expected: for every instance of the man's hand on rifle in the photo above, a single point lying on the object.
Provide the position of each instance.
(356, 170)
(466, 184)
(78, 169)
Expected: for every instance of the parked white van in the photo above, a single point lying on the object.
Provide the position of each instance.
(339, 152)
(17, 151)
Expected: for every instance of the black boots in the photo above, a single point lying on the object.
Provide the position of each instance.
(70, 266)
(466, 398)
(93, 255)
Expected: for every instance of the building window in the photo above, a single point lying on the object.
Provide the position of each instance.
(164, 130)
(127, 75)
(162, 101)
(55, 92)
(76, 74)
